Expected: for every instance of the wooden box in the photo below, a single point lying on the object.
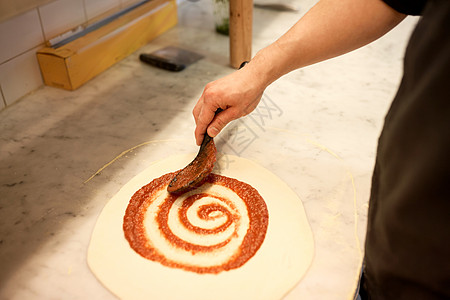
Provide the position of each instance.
(76, 62)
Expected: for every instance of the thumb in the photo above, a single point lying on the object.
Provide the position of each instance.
(221, 120)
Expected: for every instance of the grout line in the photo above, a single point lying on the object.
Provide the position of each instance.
(22, 53)
(85, 11)
(42, 25)
(3, 96)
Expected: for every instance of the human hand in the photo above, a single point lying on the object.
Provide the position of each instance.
(237, 95)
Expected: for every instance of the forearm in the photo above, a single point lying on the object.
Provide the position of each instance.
(329, 29)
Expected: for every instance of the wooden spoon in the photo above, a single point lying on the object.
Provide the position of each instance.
(194, 174)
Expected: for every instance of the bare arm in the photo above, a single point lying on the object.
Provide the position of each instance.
(329, 29)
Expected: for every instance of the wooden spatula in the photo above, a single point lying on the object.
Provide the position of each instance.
(193, 175)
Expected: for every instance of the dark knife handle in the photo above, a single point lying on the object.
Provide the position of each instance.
(243, 64)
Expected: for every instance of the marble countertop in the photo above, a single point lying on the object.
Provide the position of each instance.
(316, 129)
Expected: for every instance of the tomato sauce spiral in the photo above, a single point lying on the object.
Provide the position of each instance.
(215, 228)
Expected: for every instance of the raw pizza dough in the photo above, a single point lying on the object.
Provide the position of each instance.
(271, 273)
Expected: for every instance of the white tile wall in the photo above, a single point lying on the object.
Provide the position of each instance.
(97, 7)
(60, 16)
(19, 76)
(20, 34)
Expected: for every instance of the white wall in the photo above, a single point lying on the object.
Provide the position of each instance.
(22, 35)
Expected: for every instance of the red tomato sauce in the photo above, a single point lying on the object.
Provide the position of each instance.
(136, 235)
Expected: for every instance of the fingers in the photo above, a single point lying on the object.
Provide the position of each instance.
(214, 127)
(221, 120)
(235, 94)
(197, 108)
(203, 113)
